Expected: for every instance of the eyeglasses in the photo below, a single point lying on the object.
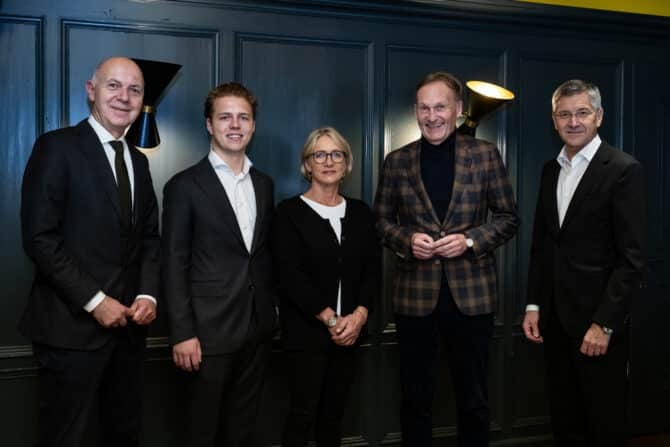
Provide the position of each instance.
(321, 156)
(580, 114)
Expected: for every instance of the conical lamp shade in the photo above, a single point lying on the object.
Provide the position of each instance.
(157, 77)
(484, 98)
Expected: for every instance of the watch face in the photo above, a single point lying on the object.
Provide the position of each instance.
(469, 242)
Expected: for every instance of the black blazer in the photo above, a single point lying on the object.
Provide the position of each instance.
(214, 288)
(309, 261)
(71, 231)
(589, 269)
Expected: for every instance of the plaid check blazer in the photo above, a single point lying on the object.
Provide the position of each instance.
(402, 208)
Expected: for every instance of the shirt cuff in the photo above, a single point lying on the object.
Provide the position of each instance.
(532, 308)
(93, 303)
(147, 297)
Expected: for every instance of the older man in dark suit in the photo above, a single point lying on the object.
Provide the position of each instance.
(585, 268)
(90, 224)
(218, 275)
(432, 204)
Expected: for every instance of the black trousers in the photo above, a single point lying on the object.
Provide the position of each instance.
(319, 385)
(76, 386)
(588, 395)
(222, 398)
(466, 341)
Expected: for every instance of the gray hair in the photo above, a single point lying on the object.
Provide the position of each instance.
(575, 87)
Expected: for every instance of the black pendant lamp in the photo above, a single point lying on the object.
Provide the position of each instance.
(143, 133)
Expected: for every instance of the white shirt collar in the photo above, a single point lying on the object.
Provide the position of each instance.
(218, 163)
(587, 152)
(103, 134)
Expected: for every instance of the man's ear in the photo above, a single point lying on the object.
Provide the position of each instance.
(90, 90)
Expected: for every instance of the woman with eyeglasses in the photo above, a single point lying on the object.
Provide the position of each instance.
(328, 265)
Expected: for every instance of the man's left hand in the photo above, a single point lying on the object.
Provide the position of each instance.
(450, 246)
(595, 341)
(143, 311)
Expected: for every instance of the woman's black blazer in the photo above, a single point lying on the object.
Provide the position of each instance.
(309, 262)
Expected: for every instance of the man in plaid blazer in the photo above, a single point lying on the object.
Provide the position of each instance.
(444, 203)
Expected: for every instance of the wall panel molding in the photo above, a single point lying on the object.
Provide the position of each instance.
(352, 64)
(71, 26)
(538, 142)
(21, 121)
(333, 75)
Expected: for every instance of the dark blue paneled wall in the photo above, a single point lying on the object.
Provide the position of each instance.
(353, 65)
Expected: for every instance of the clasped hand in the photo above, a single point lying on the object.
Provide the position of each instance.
(450, 246)
(111, 313)
(347, 329)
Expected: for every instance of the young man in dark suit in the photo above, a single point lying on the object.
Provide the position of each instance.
(432, 206)
(585, 267)
(90, 224)
(217, 275)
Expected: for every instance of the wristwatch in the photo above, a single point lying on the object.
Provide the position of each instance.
(469, 242)
(332, 321)
(607, 330)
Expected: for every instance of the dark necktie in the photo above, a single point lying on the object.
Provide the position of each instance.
(125, 199)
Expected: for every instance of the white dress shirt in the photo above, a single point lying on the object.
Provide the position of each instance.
(105, 137)
(241, 195)
(569, 177)
(334, 215)
(571, 173)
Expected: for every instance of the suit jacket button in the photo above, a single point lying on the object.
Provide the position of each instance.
(437, 262)
(442, 234)
(251, 287)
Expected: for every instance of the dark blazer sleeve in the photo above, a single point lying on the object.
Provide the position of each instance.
(628, 211)
(289, 238)
(370, 253)
(176, 258)
(44, 196)
(145, 197)
(540, 249)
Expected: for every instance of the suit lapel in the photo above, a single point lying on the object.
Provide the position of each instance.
(414, 176)
(139, 193)
(95, 155)
(462, 175)
(591, 178)
(261, 205)
(209, 182)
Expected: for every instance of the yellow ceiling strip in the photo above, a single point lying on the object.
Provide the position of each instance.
(650, 7)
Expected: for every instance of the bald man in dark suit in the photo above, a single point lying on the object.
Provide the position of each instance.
(90, 224)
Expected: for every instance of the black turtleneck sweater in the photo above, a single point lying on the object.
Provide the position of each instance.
(437, 172)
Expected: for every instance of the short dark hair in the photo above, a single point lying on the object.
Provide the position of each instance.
(229, 89)
(450, 81)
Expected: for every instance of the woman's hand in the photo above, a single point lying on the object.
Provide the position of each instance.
(349, 327)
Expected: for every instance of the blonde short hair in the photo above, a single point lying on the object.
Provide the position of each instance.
(310, 142)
